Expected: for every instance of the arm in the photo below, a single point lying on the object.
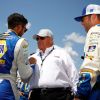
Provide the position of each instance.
(22, 63)
(71, 71)
(73, 74)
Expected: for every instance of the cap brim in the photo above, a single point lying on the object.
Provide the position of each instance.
(79, 19)
(35, 36)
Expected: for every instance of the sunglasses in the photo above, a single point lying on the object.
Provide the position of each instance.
(24, 27)
(40, 38)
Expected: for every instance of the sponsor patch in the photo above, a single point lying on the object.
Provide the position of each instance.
(91, 48)
(94, 35)
(2, 62)
(89, 57)
(25, 46)
(3, 47)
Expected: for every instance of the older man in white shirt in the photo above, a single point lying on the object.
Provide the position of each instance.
(55, 73)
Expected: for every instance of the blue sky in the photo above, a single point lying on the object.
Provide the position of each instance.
(57, 15)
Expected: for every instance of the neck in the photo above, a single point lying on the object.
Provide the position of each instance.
(44, 49)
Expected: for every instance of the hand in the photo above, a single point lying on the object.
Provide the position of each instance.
(29, 95)
(21, 93)
(32, 60)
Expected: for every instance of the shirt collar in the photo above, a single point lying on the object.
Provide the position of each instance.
(10, 30)
(47, 50)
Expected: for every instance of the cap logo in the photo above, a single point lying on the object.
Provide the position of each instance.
(84, 11)
(91, 10)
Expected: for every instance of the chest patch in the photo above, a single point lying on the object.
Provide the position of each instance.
(3, 47)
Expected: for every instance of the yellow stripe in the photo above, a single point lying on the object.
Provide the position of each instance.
(92, 72)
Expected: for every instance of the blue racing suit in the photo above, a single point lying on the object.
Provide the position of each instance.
(13, 57)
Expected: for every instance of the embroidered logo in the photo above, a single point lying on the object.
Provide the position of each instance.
(3, 47)
(91, 48)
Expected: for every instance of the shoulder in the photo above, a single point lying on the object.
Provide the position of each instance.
(95, 28)
(21, 45)
(57, 48)
(23, 42)
(60, 51)
(94, 32)
(35, 54)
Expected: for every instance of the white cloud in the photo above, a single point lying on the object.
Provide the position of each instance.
(69, 45)
(70, 50)
(71, 39)
(74, 37)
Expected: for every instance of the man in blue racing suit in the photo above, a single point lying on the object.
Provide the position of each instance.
(13, 57)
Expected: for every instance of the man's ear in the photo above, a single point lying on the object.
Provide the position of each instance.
(19, 27)
(93, 18)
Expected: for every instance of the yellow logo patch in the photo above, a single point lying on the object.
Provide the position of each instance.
(2, 61)
(3, 47)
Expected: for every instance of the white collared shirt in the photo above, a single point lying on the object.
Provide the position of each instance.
(57, 70)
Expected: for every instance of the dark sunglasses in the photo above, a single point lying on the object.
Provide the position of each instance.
(40, 38)
(25, 29)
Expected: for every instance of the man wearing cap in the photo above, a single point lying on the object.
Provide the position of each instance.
(13, 57)
(55, 73)
(88, 87)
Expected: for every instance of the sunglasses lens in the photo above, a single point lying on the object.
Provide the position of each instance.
(25, 30)
(37, 39)
(40, 38)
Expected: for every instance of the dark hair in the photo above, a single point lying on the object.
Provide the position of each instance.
(16, 19)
